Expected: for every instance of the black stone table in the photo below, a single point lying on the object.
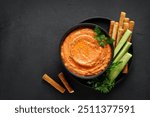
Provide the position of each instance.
(30, 33)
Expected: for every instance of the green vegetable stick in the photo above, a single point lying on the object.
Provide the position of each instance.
(116, 71)
(122, 41)
(122, 51)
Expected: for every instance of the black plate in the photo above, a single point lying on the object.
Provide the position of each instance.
(104, 23)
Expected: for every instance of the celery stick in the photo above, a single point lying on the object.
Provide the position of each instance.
(122, 41)
(116, 70)
(122, 52)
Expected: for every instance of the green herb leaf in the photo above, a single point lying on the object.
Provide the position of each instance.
(106, 85)
(102, 44)
(102, 37)
(103, 40)
(97, 38)
(102, 86)
(109, 40)
(97, 30)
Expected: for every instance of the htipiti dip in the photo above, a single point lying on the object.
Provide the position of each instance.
(82, 54)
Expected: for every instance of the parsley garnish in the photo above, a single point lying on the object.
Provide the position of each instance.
(104, 87)
(101, 38)
(107, 84)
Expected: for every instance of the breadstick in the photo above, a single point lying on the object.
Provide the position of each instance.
(125, 26)
(64, 81)
(131, 26)
(126, 20)
(119, 35)
(111, 27)
(114, 33)
(125, 70)
(121, 20)
(53, 83)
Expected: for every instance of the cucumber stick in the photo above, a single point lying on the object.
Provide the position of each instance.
(122, 52)
(116, 70)
(122, 41)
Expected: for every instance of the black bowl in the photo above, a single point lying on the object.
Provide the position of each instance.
(84, 25)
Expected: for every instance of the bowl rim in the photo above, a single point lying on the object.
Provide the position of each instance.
(78, 26)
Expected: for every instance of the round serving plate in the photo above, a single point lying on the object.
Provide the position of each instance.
(104, 23)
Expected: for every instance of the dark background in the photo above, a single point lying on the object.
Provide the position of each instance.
(30, 33)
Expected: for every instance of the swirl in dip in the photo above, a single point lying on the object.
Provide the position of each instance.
(82, 54)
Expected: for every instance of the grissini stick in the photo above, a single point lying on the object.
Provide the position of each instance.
(114, 33)
(121, 23)
(111, 27)
(131, 27)
(53, 83)
(126, 20)
(125, 26)
(121, 20)
(119, 35)
(64, 81)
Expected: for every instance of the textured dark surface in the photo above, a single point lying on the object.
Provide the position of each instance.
(30, 32)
